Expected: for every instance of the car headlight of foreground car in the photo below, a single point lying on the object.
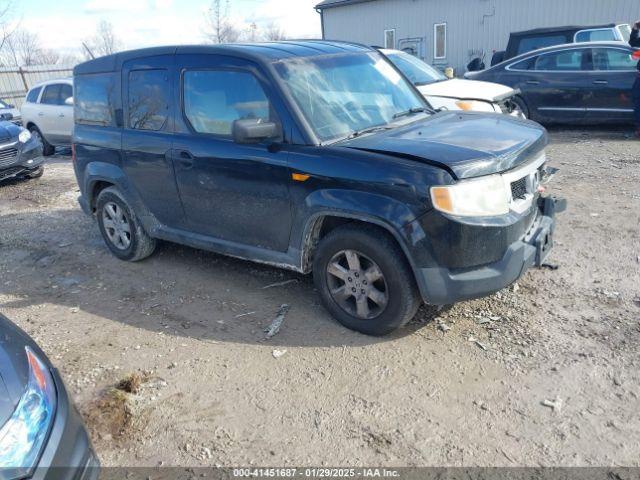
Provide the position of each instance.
(475, 106)
(24, 136)
(483, 197)
(23, 437)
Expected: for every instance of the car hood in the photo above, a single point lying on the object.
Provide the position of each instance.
(467, 90)
(465, 144)
(14, 368)
(8, 130)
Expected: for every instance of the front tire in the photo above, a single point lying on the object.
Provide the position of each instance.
(47, 148)
(121, 229)
(364, 280)
(37, 173)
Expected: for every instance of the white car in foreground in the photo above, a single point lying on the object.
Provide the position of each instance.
(455, 94)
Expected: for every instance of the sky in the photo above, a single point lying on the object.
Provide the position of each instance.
(63, 24)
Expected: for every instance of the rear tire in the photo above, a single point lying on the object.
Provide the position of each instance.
(47, 148)
(375, 294)
(121, 229)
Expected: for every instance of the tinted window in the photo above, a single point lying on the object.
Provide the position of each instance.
(66, 91)
(32, 97)
(94, 99)
(613, 59)
(51, 95)
(568, 60)
(527, 64)
(213, 100)
(149, 97)
(534, 43)
(603, 35)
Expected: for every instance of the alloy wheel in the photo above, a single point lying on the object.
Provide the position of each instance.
(116, 225)
(357, 284)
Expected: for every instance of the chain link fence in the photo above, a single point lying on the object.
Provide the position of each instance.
(16, 81)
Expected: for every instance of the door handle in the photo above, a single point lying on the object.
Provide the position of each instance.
(600, 82)
(61, 115)
(533, 82)
(185, 158)
(40, 114)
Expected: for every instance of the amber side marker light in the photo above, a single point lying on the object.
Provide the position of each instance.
(442, 199)
(300, 177)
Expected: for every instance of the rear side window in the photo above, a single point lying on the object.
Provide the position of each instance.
(33, 95)
(600, 35)
(94, 99)
(149, 97)
(51, 95)
(534, 43)
(213, 100)
(613, 59)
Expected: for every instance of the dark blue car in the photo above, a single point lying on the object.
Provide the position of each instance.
(313, 156)
(586, 83)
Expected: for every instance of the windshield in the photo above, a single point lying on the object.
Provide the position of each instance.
(3, 104)
(625, 30)
(419, 72)
(340, 95)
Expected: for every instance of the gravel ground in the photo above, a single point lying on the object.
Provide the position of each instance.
(168, 362)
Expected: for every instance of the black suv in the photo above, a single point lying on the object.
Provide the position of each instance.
(313, 156)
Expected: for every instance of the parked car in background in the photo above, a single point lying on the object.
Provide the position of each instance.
(574, 83)
(10, 113)
(454, 94)
(524, 42)
(20, 153)
(41, 433)
(47, 113)
(317, 157)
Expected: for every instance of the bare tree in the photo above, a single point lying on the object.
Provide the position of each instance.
(219, 28)
(273, 32)
(24, 48)
(6, 28)
(105, 41)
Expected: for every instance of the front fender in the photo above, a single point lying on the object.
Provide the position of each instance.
(385, 212)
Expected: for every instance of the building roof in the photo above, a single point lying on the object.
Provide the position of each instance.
(257, 52)
(338, 3)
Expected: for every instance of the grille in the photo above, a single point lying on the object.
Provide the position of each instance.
(8, 156)
(519, 189)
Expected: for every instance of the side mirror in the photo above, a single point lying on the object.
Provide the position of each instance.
(69, 101)
(253, 130)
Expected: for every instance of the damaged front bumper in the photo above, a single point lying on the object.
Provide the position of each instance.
(444, 286)
(17, 160)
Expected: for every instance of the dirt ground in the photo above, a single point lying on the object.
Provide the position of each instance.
(543, 373)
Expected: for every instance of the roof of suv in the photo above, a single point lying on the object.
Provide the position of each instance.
(259, 52)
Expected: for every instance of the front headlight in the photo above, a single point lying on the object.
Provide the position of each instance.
(24, 136)
(482, 197)
(23, 437)
(475, 106)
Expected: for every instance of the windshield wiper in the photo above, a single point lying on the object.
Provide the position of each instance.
(411, 111)
(364, 131)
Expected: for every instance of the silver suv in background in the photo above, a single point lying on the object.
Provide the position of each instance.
(48, 113)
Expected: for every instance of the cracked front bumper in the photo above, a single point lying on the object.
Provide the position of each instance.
(444, 286)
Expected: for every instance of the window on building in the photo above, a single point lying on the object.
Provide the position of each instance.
(149, 97)
(390, 39)
(213, 100)
(94, 99)
(439, 41)
(33, 95)
(613, 59)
